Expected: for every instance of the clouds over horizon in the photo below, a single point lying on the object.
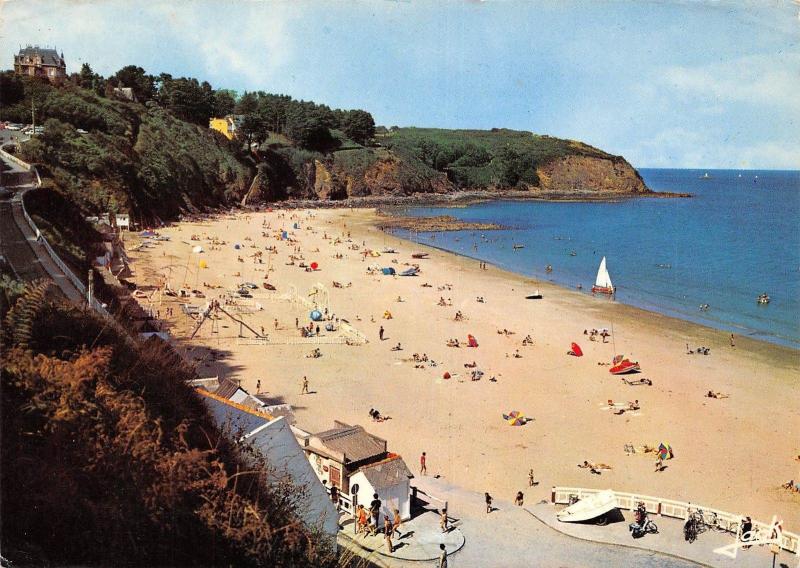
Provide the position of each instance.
(682, 84)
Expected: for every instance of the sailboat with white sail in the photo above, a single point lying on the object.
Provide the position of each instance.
(602, 284)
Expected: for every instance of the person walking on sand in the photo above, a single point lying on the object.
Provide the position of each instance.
(387, 531)
(442, 557)
(258, 386)
(531, 482)
(375, 508)
(659, 464)
(733, 343)
(488, 503)
(519, 499)
(396, 524)
(443, 520)
(305, 385)
(380, 333)
(423, 468)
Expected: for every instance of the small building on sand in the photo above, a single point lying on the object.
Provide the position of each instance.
(359, 465)
(274, 439)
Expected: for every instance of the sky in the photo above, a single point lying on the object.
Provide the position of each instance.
(685, 84)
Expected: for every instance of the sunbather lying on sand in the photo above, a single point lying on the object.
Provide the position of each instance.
(712, 394)
(594, 467)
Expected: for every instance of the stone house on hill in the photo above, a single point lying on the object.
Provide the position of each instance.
(36, 61)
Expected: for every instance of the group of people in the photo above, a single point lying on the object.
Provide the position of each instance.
(593, 334)
(367, 522)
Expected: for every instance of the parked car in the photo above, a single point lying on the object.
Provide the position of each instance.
(12, 126)
(82, 131)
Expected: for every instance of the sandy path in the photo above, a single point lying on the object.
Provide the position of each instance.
(732, 454)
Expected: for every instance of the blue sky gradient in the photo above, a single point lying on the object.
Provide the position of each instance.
(666, 84)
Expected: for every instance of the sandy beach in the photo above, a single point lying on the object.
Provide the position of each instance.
(731, 453)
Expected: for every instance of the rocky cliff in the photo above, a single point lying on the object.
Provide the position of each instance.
(434, 164)
(590, 174)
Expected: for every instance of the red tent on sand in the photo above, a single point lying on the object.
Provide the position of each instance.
(576, 350)
(472, 342)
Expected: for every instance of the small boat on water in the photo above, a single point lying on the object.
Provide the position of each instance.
(548, 269)
(705, 176)
(763, 299)
(573, 253)
(595, 506)
(420, 255)
(517, 247)
(602, 284)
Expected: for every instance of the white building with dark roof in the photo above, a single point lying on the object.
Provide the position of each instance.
(359, 465)
(274, 439)
(35, 61)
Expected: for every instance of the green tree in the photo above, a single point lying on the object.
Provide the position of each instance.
(86, 77)
(224, 102)
(308, 131)
(359, 126)
(247, 103)
(143, 85)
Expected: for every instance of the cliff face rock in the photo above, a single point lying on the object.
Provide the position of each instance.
(386, 177)
(587, 173)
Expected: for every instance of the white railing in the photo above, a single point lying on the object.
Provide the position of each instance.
(76, 282)
(678, 509)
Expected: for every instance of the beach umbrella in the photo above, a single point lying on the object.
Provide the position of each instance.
(315, 315)
(284, 235)
(314, 266)
(515, 418)
(576, 350)
(618, 359)
(237, 246)
(198, 249)
(471, 341)
(202, 264)
(664, 451)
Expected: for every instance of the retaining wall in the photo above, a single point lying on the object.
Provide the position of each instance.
(76, 282)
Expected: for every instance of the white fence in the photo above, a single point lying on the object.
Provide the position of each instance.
(678, 509)
(76, 282)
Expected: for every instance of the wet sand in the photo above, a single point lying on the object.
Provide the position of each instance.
(732, 453)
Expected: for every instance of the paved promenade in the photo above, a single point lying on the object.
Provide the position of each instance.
(512, 536)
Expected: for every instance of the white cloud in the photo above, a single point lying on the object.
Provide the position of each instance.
(768, 80)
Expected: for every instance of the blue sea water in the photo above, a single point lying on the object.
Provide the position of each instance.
(738, 236)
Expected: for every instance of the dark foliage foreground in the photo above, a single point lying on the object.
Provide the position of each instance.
(109, 459)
